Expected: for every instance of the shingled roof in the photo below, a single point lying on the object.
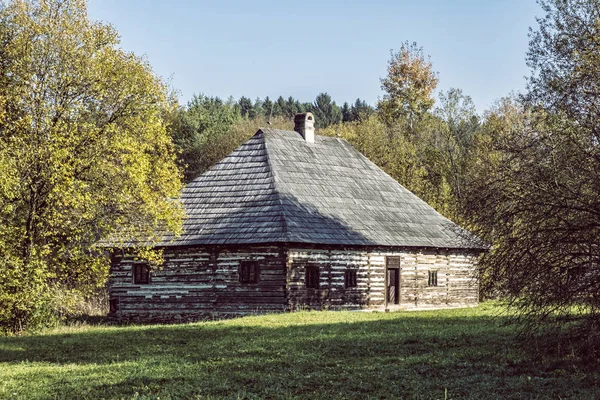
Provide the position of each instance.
(280, 188)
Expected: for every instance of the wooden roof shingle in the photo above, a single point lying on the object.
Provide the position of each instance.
(278, 188)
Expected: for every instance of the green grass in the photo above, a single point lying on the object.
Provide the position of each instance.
(468, 354)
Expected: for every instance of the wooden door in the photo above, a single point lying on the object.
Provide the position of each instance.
(392, 280)
(393, 286)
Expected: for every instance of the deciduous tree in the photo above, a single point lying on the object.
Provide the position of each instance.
(454, 139)
(83, 154)
(540, 201)
(408, 86)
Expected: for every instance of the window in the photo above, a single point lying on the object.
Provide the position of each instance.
(350, 278)
(312, 276)
(433, 278)
(141, 273)
(249, 271)
(114, 305)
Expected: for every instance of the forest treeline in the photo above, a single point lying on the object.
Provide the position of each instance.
(208, 128)
(431, 151)
(94, 148)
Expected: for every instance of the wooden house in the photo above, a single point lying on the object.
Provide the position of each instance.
(289, 221)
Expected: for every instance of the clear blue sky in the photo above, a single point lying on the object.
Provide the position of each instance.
(259, 48)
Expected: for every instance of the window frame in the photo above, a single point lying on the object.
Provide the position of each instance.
(432, 279)
(248, 278)
(351, 278)
(312, 276)
(136, 275)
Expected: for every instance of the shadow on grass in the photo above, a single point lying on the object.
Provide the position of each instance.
(394, 356)
(87, 319)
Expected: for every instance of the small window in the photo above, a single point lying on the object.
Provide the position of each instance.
(433, 281)
(114, 305)
(141, 273)
(249, 272)
(350, 278)
(312, 276)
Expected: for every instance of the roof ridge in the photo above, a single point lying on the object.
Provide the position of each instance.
(286, 233)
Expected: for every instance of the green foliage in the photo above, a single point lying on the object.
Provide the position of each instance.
(358, 111)
(257, 109)
(209, 129)
(242, 130)
(326, 112)
(205, 130)
(246, 107)
(346, 116)
(26, 298)
(453, 140)
(468, 354)
(268, 106)
(564, 55)
(537, 196)
(485, 173)
(84, 155)
(408, 86)
(287, 108)
(199, 130)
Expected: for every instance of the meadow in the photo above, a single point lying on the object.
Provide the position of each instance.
(450, 354)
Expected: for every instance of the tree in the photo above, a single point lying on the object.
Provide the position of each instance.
(280, 109)
(540, 200)
(293, 107)
(408, 86)
(326, 112)
(257, 109)
(360, 110)
(454, 139)
(246, 107)
(346, 116)
(268, 108)
(84, 154)
(307, 107)
(564, 55)
(199, 128)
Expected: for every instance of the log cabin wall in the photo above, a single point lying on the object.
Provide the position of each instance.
(331, 292)
(197, 283)
(456, 272)
(456, 285)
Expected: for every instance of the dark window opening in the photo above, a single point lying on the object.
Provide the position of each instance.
(312, 277)
(114, 305)
(350, 278)
(249, 271)
(433, 278)
(141, 273)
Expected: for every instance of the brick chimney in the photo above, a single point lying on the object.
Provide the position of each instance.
(304, 124)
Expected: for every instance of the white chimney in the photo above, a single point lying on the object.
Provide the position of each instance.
(304, 124)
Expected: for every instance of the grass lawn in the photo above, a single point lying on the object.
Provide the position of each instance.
(464, 354)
